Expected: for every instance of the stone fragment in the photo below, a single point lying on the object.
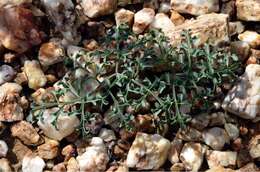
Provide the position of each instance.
(95, 158)
(241, 49)
(4, 3)
(65, 124)
(244, 98)
(142, 19)
(7, 73)
(122, 168)
(221, 158)
(72, 165)
(248, 10)
(251, 37)
(236, 28)
(107, 135)
(192, 155)
(217, 119)
(5, 165)
(10, 108)
(229, 8)
(59, 167)
(211, 28)
(68, 151)
(174, 152)
(63, 14)
(250, 167)
(189, 134)
(232, 131)
(195, 7)
(3, 148)
(20, 150)
(33, 163)
(177, 167)
(254, 147)
(243, 157)
(50, 53)
(162, 21)
(21, 79)
(176, 18)
(254, 57)
(215, 138)
(165, 7)
(35, 75)
(18, 31)
(97, 8)
(200, 121)
(154, 4)
(49, 149)
(25, 132)
(148, 152)
(124, 16)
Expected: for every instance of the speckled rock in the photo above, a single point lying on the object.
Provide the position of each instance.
(20, 150)
(195, 7)
(189, 134)
(241, 49)
(254, 147)
(72, 165)
(10, 108)
(107, 135)
(95, 158)
(143, 19)
(229, 8)
(33, 163)
(192, 155)
(177, 167)
(232, 130)
(200, 121)
(18, 31)
(244, 98)
(3, 148)
(250, 167)
(221, 158)
(248, 10)
(236, 28)
(163, 22)
(63, 14)
(7, 73)
(254, 57)
(215, 137)
(65, 124)
(49, 149)
(165, 7)
(251, 37)
(35, 75)
(175, 150)
(97, 8)
(25, 132)
(177, 18)
(13, 2)
(148, 152)
(60, 167)
(124, 16)
(50, 53)
(212, 28)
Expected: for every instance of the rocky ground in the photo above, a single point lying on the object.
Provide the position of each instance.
(37, 35)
